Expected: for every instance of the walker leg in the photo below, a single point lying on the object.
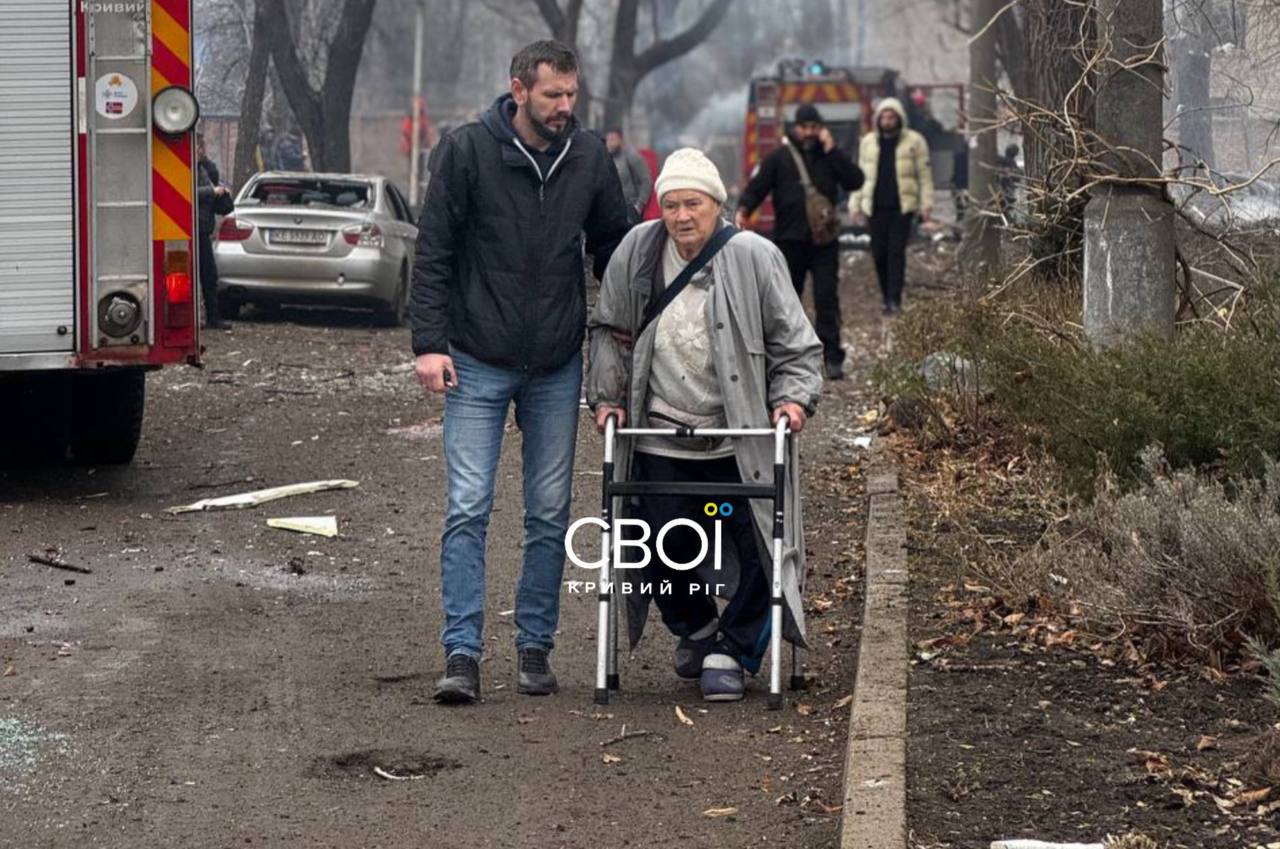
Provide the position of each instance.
(775, 600)
(775, 630)
(612, 680)
(605, 597)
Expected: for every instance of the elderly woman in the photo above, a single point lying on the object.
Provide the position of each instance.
(732, 349)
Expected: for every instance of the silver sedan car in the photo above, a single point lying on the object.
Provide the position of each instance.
(341, 239)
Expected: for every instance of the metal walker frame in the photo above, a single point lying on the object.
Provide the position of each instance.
(607, 677)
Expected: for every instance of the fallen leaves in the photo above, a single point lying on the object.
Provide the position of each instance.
(843, 703)
(1206, 742)
(10, 671)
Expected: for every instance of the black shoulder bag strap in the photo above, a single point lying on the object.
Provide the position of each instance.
(676, 286)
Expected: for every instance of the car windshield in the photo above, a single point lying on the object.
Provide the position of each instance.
(302, 191)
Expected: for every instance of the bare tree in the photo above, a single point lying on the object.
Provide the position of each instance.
(627, 67)
(323, 112)
(255, 86)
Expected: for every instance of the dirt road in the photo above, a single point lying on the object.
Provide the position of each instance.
(216, 683)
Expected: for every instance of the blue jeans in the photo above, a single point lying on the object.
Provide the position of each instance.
(475, 416)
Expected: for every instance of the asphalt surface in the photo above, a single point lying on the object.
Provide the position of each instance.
(213, 682)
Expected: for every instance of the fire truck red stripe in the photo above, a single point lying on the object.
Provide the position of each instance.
(170, 66)
(172, 203)
(177, 10)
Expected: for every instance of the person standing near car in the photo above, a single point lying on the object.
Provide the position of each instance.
(899, 187)
(804, 174)
(211, 196)
(498, 316)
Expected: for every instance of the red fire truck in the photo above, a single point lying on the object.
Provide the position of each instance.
(846, 97)
(97, 220)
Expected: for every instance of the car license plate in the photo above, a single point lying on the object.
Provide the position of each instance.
(299, 237)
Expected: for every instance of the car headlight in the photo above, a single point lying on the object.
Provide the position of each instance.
(174, 110)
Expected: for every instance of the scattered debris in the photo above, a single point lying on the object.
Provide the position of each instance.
(719, 812)
(382, 773)
(610, 759)
(683, 717)
(55, 563)
(1040, 844)
(627, 735)
(322, 526)
(262, 496)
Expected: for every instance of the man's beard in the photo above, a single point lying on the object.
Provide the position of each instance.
(809, 145)
(544, 130)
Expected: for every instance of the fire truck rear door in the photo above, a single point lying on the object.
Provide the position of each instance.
(37, 214)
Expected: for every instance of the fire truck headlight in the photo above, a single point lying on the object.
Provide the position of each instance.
(174, 110)
(119, 314)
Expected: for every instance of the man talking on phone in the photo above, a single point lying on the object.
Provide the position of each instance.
(498, 315)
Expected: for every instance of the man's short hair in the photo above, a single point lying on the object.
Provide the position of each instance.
(524, 65)
(617, 130)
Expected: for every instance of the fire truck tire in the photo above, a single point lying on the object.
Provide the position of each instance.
(37, 434)
(107, 423)
(229, 306)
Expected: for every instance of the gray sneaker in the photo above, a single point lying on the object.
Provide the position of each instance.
(461, 682)
(534, 676)
(689, 655)
(721, 679)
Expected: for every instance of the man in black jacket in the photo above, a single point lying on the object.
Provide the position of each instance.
(498, 310)
(830, 169)
(208, 195)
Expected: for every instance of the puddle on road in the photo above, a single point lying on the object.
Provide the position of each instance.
(390, 766)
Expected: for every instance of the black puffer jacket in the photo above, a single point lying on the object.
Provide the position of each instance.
(779, 176)
(499, 271)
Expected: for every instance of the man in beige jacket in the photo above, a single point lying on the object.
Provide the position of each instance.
(898, 187)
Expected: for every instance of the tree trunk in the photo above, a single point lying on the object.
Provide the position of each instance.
(324, 115)
(982, 239)
(627, 68)
(255, 86)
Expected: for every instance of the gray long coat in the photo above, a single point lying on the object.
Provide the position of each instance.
(765, 353)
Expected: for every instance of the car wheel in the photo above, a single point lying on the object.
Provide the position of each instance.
(396, 313)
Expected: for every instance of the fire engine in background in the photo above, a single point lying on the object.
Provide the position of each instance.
(846, 97)
(97, 220)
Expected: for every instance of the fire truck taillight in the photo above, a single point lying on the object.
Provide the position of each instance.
(179, 307)
(174, 110)
(233, 230)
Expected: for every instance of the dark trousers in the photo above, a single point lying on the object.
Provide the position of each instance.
(208, 279)
(890, 231)
(744, 622)
(823, 262)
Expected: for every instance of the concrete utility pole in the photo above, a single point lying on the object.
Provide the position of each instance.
(415, 146)
(981, 239)
(1128, 229)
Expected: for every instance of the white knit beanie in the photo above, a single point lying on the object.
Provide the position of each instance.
(689, 168)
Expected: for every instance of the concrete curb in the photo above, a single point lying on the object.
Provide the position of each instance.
(875, 776)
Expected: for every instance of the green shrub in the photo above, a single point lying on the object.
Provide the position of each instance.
(1209, 398)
